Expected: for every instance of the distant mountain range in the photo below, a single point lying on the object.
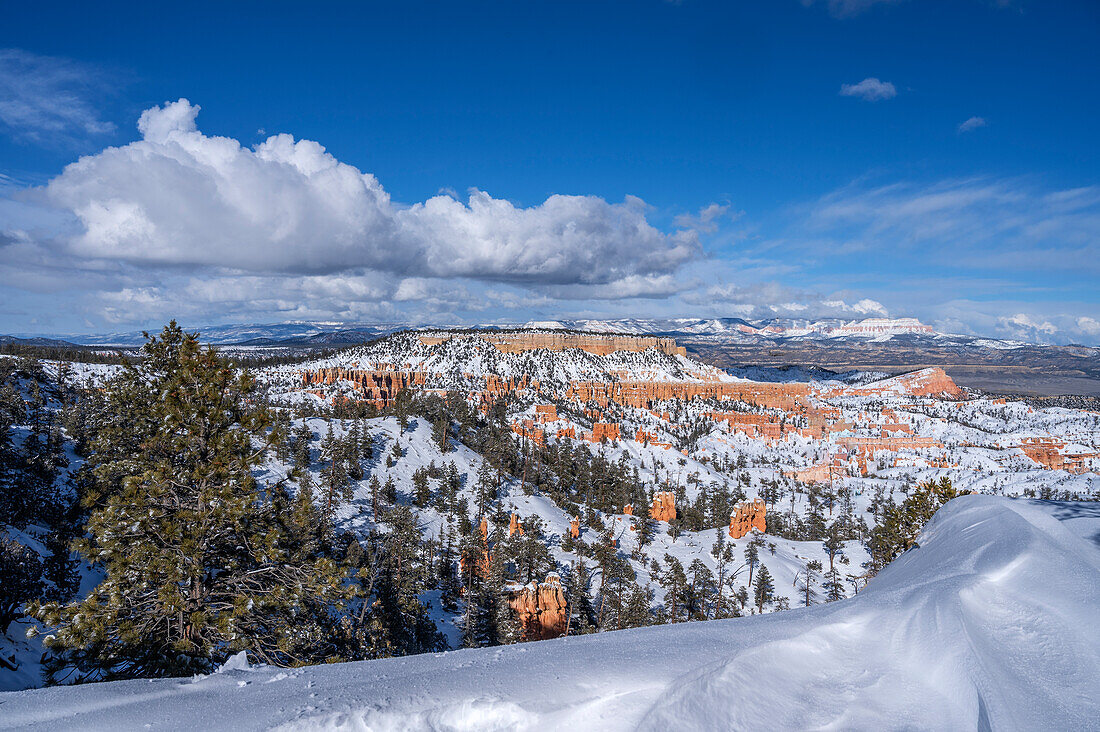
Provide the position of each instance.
(712, 331)
(733, 330)
(872, 344)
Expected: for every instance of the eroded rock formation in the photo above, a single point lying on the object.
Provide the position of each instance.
(664, 506)
(926, 382)
(541, 608)
(375, 387)
(748, 516)
(642, 394)
(605, 431)
(514, 526)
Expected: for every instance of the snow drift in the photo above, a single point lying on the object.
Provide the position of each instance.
(990, 623)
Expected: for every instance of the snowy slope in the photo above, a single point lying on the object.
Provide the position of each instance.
(989, 624)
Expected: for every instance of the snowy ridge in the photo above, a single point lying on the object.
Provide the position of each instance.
(467, 356)
(738, 329)
(988, 624)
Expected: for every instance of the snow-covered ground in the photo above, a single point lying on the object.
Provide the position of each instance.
(989, 624)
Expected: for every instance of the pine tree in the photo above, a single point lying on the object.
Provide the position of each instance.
(20, 579)
(421, 488)
(722, 552)
(503, 627)
(398, 615)
(637, 612)
(674, 580)
(700, 591)
(576, 581)
(833, 544)
(366, 444)
(449, 584)
(901, 524)
(806, 580)
(335, 484)
(833, 585)
(197, 563)
(764, 590)
(752, 556)
(303, 437)
(487, 486)
(375, 497)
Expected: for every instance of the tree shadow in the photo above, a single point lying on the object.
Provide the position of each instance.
(1067, 510)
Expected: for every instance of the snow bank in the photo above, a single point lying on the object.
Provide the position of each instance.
(990, 624)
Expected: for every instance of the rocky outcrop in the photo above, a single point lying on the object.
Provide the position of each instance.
(541, 608)
(664, 506)
(1054, 455)
(375, 387)
(514, 526)
(642, 394)
(600, 344)
(871, 445)
(747, 517)
(605, 431)
(650, 438)
(575, 527)
(926, 382)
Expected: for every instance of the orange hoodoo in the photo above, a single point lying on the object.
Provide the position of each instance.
(628, 509)
(542, 609)
(514, 526)
(575, 527)
(664, 506)
(748, 516)
(546, 412)
(605, 431)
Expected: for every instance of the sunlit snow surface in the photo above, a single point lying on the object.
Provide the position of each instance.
(991, 623)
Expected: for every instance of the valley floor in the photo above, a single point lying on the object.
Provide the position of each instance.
(989, 624)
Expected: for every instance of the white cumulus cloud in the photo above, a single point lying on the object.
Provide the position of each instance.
(972, 123)
(179, 197)
(870, 89)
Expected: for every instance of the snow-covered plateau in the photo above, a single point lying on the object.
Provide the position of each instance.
(989, 623)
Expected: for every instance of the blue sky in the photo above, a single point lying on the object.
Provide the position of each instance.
(505, 161)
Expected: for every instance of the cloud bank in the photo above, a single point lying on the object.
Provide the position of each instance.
(179, 197)
(185, 224)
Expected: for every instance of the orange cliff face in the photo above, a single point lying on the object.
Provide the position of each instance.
(642, 394)
(376, 387)
(926, 382)
(600, 344)
(605, 431)
(664, 506)
(546, 413)
(1052, 455)
(748, 516)
(542, 609)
